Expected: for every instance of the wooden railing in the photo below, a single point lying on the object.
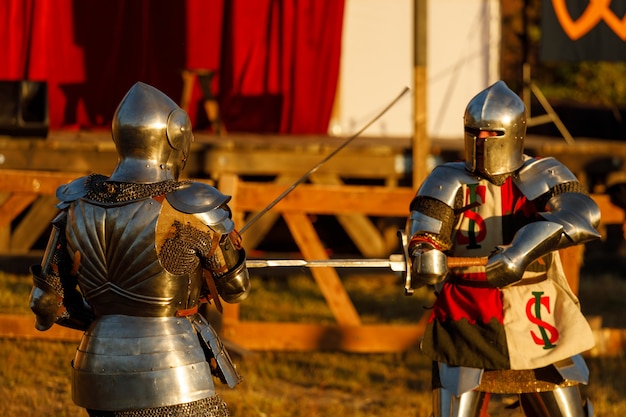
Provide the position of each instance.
(34, 190)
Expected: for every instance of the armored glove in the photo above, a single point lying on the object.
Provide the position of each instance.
(508, 263)
(428, 265)
(44, 301)
(51, 305)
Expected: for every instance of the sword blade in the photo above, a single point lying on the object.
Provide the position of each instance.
(395, 263)
(319, 164)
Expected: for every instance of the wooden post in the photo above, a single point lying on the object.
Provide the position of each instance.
(421, 141)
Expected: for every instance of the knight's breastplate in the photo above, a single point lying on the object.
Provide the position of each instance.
(479, 229)
(497, 213)
(120, 272)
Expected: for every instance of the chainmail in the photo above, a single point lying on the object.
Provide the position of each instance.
(109, 192)
(209, 407)
(53, 279)
(181, 252)
(567, 187)
(58, 277)
(522, 381)
(440, 211)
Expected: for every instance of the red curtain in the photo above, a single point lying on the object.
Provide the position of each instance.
(277, 61)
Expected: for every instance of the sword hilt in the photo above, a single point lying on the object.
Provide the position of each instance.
(451, 262)
(461, 261)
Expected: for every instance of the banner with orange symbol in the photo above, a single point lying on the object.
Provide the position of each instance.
(583, 30)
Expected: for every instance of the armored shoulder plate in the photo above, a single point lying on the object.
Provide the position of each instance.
(205, 202)
(538, 176)
(71, 192)
(445, 180)
(196, 197)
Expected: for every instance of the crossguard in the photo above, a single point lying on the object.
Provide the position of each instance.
(404, 244)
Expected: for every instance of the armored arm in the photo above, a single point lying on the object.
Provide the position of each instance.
(226, 262)
(428, 262)
(568, 216)
(54, 297)
(577, 212)
(44, 300)
(234, 284)
(431, 222)
(560, 198)
(508, 263)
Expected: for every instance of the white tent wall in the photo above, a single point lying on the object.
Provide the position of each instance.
(463, 42)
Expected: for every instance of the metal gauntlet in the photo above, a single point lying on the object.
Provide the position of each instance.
(428, 265)
(46, 297)
(44, 300)
(427, 231)
(55, 297)
(63, 306)
(234, 285)
(508, 263)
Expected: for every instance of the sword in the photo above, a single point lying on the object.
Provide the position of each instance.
(396, 262)
(319, 164)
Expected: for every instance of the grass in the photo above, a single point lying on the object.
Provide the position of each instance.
(296, 297)
(34, 378)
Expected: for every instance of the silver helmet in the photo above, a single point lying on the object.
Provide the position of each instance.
(501, 112)
(152, 135)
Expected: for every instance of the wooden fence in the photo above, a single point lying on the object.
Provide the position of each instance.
(30, 194)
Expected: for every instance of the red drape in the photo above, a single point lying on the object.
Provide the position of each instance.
(277, 61)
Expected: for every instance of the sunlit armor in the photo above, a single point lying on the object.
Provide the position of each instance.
(130, 259)
(511, 325)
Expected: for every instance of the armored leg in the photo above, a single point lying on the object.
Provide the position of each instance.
(562, 402)
(468, 404)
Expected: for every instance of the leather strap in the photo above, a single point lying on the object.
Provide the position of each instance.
(208, 277)
(184, 312)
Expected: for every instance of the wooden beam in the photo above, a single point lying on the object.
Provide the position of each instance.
(23, 327)
(328, 199)
(262, 227)
(363, 233)
(40, 182)
(33, 224)
(381, 338)
(296, 162)
(610, 213)
(327, 279)
(13, 206)
(262, 336)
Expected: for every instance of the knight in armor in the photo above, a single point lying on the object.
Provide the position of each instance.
(130, 260)
(508, 322)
